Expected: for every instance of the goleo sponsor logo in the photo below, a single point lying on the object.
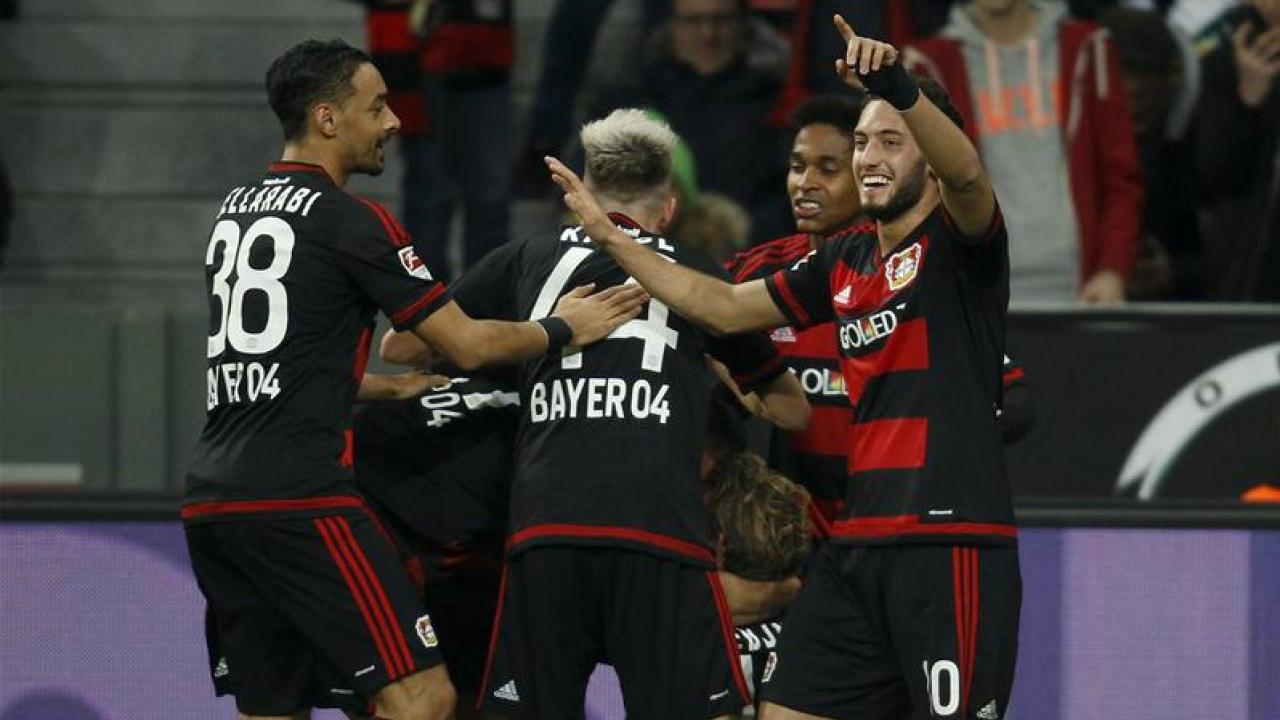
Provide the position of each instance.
(822, 381)
(867, 329)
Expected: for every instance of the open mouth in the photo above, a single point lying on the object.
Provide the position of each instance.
(806, 209)
(875, 183)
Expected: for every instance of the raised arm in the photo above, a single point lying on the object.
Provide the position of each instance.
(719, 306)
(966, 190)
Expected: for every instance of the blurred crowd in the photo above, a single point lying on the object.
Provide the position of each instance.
(1132, 144)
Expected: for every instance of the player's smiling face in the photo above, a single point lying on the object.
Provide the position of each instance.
(367, 122)
(888, 164)
(820, 180)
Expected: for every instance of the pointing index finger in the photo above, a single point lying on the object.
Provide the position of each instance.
(846, 31)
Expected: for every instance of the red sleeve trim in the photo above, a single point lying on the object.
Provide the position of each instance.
(663, 542)
(237, 507)
(771, 368)
(797, 312)
(993, 228)
(403, 316)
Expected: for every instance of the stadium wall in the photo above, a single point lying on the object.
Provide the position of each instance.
(102, 620)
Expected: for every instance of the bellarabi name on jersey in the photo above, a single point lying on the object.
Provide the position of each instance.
(597, 399)
(273, 196)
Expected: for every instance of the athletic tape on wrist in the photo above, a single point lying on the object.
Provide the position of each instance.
(559, 334)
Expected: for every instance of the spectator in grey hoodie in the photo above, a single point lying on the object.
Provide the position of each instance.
(1044, 101)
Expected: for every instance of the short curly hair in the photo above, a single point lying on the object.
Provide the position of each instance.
(762, 516)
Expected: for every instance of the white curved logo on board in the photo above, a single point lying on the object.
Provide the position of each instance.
(1191, 410)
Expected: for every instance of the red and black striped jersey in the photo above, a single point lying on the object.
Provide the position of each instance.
(814, 457)
(920, 333)
(611, 438)
(295, 270)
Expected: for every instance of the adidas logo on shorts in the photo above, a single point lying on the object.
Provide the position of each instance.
(508, 692)
(989, 712)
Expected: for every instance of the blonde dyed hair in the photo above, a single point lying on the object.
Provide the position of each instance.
(628, 155)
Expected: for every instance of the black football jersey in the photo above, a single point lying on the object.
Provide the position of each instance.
(921, 336)
(441, 464)
(611, 438)
(295, 270)
(757, 649)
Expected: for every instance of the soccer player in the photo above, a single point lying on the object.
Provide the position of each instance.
(913, 608)
(610, 556)
(293, 571)
(824, 202)
(437, 470)
(765, 535)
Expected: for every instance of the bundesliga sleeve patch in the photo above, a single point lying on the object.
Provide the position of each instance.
(413, 264)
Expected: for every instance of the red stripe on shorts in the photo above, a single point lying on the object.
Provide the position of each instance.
(340, 560)
(380, 595)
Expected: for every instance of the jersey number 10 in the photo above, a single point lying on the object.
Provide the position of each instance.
(235, 256)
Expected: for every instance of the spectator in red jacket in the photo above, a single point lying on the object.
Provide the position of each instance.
(1043, 99)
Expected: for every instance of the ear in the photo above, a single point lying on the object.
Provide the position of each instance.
(324, 116)
(669, 210)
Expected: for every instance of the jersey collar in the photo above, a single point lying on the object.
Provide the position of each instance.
(293, 166)
(626, 223)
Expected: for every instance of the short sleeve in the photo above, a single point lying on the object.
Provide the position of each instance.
(752, 358)
(384, 263)
(487, 289)
(985, 257)
(802, 291)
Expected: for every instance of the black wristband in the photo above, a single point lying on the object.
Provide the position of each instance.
(894, 85)
(559, 334)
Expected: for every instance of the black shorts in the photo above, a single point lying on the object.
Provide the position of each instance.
(462, 596)
(307, 612)
(663, 624)
(889, 632)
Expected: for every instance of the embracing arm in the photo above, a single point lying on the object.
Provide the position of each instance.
(469, 343)
(404, 386)
(780, 402)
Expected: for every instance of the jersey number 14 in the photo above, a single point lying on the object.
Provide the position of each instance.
(652, 329)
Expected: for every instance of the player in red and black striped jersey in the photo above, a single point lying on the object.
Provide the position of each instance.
(296, 267)
(824, 201)
(922, 573)
(610, 554)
